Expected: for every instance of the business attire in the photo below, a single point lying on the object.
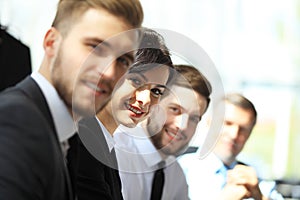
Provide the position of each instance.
(206, 177)
(96, 168)
(138, 160)
(31, 158)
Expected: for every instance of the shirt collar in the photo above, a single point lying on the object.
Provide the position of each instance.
(63, 121)
(233, 164)
(146, 148)
(217, 165)
(109, 139)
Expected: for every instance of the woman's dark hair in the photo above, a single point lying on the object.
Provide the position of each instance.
(152, 53)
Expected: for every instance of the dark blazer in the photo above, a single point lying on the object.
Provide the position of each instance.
(31, 162)
(96, 176)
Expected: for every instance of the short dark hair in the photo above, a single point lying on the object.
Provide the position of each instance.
(190, 77)
(152, 52)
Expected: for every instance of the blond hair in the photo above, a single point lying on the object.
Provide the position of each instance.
(69, 11)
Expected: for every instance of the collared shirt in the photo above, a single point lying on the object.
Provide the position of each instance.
(108, 138)
(138, 159)
(206, 177)
(63, 121)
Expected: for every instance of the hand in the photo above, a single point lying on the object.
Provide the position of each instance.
(242, 175)
(232, 191)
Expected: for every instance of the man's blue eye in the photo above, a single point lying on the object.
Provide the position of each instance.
(174, 109)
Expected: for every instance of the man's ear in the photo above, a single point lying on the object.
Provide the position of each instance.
(51, 41)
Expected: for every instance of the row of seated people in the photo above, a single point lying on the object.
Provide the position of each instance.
(132, 126)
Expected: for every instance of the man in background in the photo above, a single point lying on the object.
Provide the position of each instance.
(220, 175)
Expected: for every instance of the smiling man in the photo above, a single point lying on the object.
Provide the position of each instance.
(36, 118)
(160, 138)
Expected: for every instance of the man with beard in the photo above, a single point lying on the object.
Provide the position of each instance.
(78, 73)
(153, 144)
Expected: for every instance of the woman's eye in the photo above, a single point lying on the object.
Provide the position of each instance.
(156, 92)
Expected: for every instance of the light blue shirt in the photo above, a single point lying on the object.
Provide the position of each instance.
(207, 177)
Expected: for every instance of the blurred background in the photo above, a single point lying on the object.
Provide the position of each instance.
(254, 45)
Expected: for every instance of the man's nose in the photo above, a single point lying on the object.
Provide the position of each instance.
(181, 121)
(234, 131)
(110, 71)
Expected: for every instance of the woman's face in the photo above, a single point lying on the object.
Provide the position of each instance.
(136, 93)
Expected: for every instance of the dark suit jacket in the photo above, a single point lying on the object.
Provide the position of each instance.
(96, 174)
(31, 161)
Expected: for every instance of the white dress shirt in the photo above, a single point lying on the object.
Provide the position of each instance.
(138, 159)
(206, 179)
(108, 138)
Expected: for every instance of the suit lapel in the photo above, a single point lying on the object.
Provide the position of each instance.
(30, 88)
(93, 139)
(73, 159)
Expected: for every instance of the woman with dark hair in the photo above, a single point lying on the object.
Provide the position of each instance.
(96, 170)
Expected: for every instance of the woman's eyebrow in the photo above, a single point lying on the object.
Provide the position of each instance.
(160, 85)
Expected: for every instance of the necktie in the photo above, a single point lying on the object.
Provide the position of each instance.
(113, 163)
(73, 159)
(115, 176)
(158, 182)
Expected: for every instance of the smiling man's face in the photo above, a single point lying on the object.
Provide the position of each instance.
(85, 64)
(183, 110)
